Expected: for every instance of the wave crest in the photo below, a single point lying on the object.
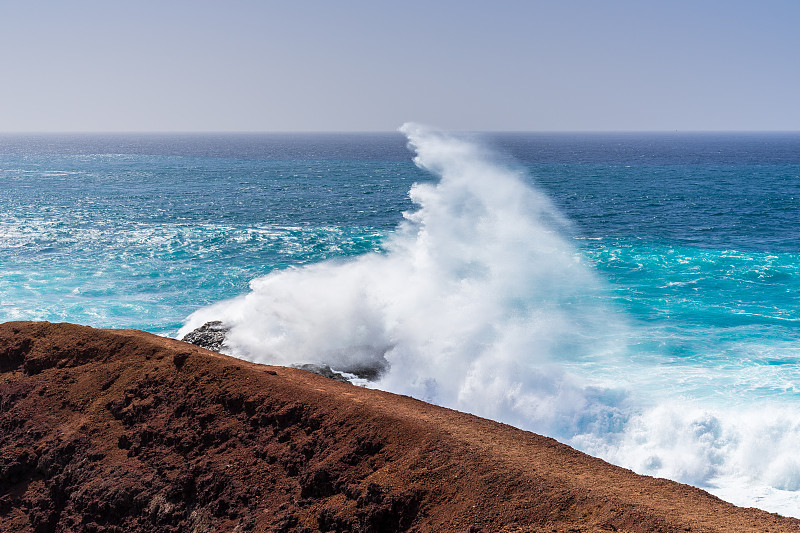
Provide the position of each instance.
(480, 303)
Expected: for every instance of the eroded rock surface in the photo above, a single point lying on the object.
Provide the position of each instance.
(210, 336)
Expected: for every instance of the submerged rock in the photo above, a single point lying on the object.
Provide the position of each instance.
(370, 373)
(362, 372)
(324, 371)
(210, 335)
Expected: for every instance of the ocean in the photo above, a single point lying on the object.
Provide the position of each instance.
(634, 295)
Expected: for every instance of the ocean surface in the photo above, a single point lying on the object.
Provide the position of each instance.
(634, 295)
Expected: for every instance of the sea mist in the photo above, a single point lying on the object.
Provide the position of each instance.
(480, 302)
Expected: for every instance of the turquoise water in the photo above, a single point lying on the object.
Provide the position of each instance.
(641, 289)
(121, 240)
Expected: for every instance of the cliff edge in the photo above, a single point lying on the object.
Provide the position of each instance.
(124, 431)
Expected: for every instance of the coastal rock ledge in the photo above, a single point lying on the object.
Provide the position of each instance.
(123, 431)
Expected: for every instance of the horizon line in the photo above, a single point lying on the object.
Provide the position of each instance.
(364, 132)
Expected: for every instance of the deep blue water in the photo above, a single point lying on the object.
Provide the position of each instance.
(694, 237)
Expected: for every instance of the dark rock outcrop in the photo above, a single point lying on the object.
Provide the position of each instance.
(324, 371)
(210, 336)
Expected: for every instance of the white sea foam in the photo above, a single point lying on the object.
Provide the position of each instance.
(480, 304)
(475, 301)
(748, 457)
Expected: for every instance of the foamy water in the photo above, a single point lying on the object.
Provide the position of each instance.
(481, 303)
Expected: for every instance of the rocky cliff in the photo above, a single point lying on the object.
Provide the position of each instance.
(123, 431)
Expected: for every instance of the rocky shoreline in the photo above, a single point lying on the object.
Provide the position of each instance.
(211, 336)
(123, 431)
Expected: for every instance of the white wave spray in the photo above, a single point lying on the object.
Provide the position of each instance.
(480, 304)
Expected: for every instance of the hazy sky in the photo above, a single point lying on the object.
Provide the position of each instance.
(238, 65)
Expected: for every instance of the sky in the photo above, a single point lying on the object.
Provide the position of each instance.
(311, 65)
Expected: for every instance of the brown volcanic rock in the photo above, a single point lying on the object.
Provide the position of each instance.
(120, 430)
